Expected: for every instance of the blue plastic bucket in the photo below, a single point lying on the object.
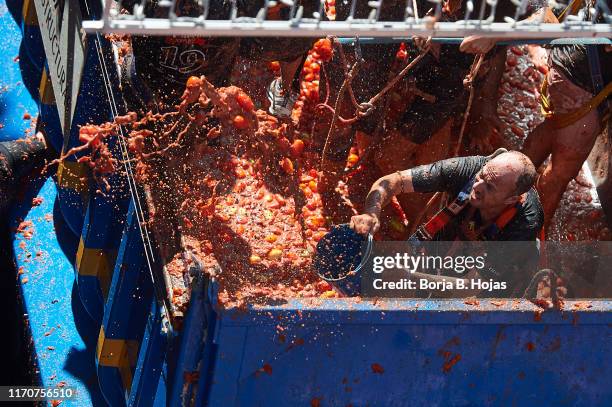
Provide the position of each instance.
(340, 257)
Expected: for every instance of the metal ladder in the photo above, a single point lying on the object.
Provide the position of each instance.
(301, 23)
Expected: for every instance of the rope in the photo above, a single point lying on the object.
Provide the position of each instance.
(367, 107)
(468, 83)
(531, 291)
(421, 214)
(344, 63)
(572, 8)
(332, 126)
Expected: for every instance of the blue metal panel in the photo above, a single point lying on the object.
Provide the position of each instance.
(192, 338)
(149, 385)
(48, 114)
(92, 107)
(30, 75)
(160, 395)
(73, 197)
(32, 39)
(96, 254)
(14, 98)
(14, 7)
(33, 45)
(410, 353)
(105, 213)
(72, 177)
(125, 315)
(62, 335)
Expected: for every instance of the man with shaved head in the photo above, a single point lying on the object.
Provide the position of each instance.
(493, 199)
(494, 183)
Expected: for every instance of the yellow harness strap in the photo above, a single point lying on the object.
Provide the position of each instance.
(561, 120)
(558, 120)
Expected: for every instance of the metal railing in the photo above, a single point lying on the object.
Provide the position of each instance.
(298, 21)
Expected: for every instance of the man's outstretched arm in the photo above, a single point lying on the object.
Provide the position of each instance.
(445, 175)
(379, 196)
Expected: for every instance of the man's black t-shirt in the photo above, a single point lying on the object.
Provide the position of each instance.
(514, 263)
(453, 174)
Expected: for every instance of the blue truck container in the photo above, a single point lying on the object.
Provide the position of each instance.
(402, 353)
(100, 320)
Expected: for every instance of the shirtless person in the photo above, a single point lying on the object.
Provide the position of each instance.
(569, 88)
(568, 142)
